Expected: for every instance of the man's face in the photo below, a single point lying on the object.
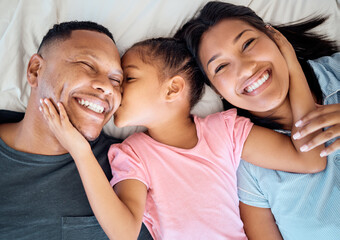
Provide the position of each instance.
(84, 73)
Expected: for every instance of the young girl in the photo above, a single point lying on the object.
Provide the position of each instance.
(179, 177)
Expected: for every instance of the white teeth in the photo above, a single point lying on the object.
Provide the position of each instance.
(258, 83)
(92, 106)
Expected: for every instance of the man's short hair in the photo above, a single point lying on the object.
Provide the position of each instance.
(62, 31)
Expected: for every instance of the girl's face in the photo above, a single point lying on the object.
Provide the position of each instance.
(141, 93)
(245, 66)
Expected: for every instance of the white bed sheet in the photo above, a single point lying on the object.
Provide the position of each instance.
(23, 23)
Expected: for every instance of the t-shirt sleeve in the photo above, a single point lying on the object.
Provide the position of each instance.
(249, 191)
(238, 127)
(125, 164)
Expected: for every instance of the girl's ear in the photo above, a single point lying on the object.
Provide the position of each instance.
(175, 87)
(33, 69)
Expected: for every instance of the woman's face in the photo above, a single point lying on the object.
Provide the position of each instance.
(245, 66)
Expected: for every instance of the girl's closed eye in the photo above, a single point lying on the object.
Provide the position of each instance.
(129, 79)
(248, 43)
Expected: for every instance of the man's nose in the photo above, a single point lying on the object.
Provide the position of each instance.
(103, 84)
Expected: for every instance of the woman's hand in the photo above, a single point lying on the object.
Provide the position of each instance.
(286, 49)
(301, 102)
(325, 116)
(67, 135)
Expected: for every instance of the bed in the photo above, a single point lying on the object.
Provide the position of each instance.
(23, 23)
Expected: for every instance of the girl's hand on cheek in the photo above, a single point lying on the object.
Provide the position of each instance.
(59, 124)
(325, 116)
(285, 48)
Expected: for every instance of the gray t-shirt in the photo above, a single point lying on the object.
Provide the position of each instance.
(42, 197)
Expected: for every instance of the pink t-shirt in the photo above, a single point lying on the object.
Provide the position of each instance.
(192, 193)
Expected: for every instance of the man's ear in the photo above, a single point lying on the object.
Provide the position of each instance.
(175, 87)
(33, 69)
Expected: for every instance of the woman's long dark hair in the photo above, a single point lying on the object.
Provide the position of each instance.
(307, 45)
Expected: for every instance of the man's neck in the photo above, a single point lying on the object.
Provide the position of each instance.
(31, 135)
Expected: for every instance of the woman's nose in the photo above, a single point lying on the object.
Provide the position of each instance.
(246, 68)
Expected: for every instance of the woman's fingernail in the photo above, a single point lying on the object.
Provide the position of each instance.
(40, 109)
(45, 100)
(304, 148)
(41, 101)
(298, 123)
(296, 135)
(323, 153)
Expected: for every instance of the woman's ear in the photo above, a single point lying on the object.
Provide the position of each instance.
(33, 69)
(175, 87)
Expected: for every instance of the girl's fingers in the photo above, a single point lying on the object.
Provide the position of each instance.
(49, 111)
(321, 122)
(320, 111)
(278, 37)
(285, 48)
(51, 108)
(62, 111)
(324, 137)
(335, 146)
(65, 122)
(45, 110)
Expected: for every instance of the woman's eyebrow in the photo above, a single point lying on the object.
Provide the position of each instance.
(240, 35)
(234, 41)
(213, 58)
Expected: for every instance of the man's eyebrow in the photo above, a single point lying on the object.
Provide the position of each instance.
(240, 35)
(92, 55)
(86, 53)
(119, 72)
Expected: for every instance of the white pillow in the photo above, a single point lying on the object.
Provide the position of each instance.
(24, 23)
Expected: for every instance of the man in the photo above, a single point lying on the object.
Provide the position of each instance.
(41, 194)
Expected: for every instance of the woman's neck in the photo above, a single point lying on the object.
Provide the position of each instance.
(176, 131)
(282, 114)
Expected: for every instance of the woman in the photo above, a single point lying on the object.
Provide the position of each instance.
(228, 43)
